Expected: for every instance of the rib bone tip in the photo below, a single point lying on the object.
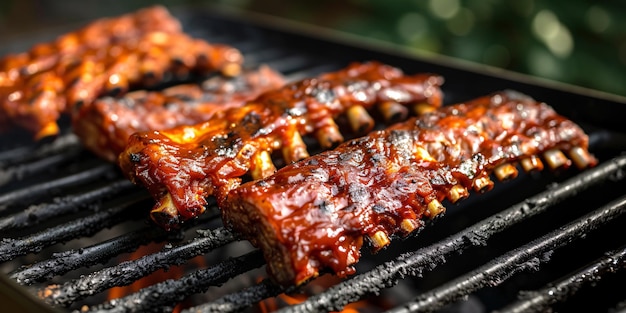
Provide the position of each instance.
(360, 120)
(50, 130)
(295, 149)
(380, 239)
(556, 159)
(423, 108)
(435, 208)
(231, 69)
(165, 213)
(532, 163)
(483, 184)
(581, 157)
(505, 171)
(262, 165)
(329, 136)
(408, 225)
(393, 111)
(457, 192)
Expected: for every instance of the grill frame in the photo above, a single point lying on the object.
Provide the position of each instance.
(314, 50)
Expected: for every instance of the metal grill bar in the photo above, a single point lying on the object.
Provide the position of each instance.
(89, 175)
(166, 294)
(86, 226)
(24, 170)
(541, 300)
(62, 206)
(414, 263)
(524, 258)
(28, 153)
(238, 301)
(66, 261)
(308, 72)
(127, 272)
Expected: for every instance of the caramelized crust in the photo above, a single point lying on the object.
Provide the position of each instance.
(105, 125)
(182, 166)
(108, 56)
(316, 213)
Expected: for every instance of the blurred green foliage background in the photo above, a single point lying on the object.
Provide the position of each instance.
(577, 42)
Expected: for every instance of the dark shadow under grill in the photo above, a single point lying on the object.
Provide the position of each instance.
(546, 240)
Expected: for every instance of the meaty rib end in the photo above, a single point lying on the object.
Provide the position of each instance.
(251, 224)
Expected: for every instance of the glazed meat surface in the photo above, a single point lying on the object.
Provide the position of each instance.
(105, 125)
(316, 214)
(107, 56)
(182, 166)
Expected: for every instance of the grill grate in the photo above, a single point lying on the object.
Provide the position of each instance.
(127, 272)
(527, 257)
(559, 291)
(414, 263)
(69, 220)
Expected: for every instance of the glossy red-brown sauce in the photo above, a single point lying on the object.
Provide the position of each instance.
(105, 125)
(315, 214)
(107, 56)
(191, 163)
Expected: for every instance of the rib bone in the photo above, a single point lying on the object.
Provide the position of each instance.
(380, 239)
(393, 111)
(360, 121)
(457, 192)
(505, 171)
(532, 163)
(581, 157)
(435, 208)
(556, 159)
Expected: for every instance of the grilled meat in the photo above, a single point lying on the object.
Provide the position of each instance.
(182, 166)
(108, 56)
(315, 214)
(105, 125)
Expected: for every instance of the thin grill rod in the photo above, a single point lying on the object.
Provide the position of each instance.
(541, 300)
(29, 153)
(34, 214)
(82, 227)
(413, 263)
(37, 190)
(526, 257)
(172, 291)
(127, 272)
(66, 261)
(290, 63)
(19, 172)
(310, 71)
(238, 301)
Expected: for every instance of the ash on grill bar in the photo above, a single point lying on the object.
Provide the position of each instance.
(545, 240)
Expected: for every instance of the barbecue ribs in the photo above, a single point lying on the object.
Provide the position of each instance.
(315, 214)
(182, 166)
(105, 125)
(108, 56)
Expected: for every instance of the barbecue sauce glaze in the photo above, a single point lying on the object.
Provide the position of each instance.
(105, 126)
(316, 213)
(182, 166)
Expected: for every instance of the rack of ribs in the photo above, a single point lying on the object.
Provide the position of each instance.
(105, 126)
(316, 214)
(183, 166)
(106, 57)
